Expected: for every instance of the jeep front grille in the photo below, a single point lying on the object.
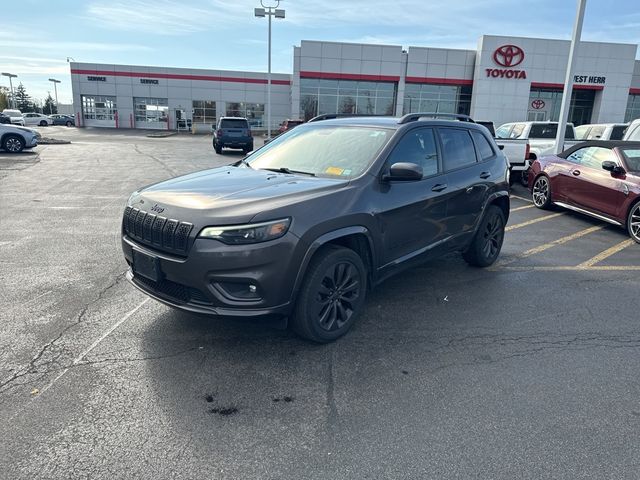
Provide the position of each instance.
(165, 234)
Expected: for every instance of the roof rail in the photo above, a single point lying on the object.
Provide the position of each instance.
(331, 116)
(412, 117)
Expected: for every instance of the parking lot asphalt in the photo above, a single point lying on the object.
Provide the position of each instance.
(528, 369)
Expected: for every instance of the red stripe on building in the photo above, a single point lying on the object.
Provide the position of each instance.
(560, 86)
(176, 76)
(439, 81)
(634, 91)
(349, 76)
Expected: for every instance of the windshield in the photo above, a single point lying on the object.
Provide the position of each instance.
(632, 156)
(326, 151)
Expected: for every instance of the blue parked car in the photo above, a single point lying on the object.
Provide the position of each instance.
(59, 119)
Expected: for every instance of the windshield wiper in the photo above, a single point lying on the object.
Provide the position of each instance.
(289, 171)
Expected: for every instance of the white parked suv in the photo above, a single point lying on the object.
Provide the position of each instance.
(32, 118)
(14, 139)
(633, 131)
(15, 115)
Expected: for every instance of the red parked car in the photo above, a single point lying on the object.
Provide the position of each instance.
(289, 124)
(597, 178)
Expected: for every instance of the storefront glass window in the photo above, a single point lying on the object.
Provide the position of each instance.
(579, 113)
(253, 112)
(437, 98)
(98, 107)
(633, 108)
(320, 96)
(204, 111)
(151, 109)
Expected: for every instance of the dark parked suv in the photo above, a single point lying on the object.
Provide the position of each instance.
(232, 132)
(307, 224)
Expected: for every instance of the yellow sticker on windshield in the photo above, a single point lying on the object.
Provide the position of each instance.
(334, 171)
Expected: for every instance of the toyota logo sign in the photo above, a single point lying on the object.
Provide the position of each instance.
(508, 55)
(538, 104)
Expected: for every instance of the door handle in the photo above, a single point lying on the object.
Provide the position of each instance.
(485, 175)
(439, 187)
(576, 172)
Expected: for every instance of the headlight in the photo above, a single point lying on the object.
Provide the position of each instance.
(252, 233)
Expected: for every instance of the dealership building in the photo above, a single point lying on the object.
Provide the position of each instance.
(506, 79)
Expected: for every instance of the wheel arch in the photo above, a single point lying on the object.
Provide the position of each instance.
(11, 134)
(357, 238)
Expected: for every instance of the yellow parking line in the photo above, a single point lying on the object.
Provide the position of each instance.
(607, 253)
(569, 268)
(531, 222)
(546, 246)
(522, 208)
(521, 198)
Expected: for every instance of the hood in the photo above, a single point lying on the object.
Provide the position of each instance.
(234, 194)
(18, 127)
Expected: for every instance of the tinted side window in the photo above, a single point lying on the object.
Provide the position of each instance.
(457, 148)
(419, 147)
(617, 132)
(483, 145)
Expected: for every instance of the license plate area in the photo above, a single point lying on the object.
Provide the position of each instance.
(146, 266)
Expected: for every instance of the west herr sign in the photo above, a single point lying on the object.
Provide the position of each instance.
(589, 79)
(149, 80)
(96, 79)
(507, 56)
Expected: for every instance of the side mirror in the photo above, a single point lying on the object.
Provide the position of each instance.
(610, 166)
(404, 171)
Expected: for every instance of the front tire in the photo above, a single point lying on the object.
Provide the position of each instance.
(332, 295)
(13, 144)
(43, 123)
(69, 124)
(487, 243)
(541, 193)
(633, 222)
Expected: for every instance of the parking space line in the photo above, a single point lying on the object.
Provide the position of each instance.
(522, 208)
(607, 253)
(531, 222)
(547, 246)
(521, 198)
(569, 268)
(80, 357)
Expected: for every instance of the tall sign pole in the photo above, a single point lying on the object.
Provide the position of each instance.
(568, 81)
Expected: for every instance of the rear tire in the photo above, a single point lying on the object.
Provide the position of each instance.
(13, 144)
(633, 222)
(487, 243)
(332, 295)
(524, 178)
(218, 149)
(69, 124)
(541, 192)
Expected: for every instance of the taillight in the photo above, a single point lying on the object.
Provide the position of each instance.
(219, 132)
(249, 132)
(527, 151)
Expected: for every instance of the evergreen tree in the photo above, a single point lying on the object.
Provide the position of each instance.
(22, 100)
(50, 106)
(4, 98)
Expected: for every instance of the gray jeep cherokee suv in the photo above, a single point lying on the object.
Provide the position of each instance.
(307, 224)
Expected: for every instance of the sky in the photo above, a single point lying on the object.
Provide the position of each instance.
(37, 36)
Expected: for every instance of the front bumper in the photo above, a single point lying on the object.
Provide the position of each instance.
(214, 278)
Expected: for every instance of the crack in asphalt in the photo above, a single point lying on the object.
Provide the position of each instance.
(155, 159)
(31, 366)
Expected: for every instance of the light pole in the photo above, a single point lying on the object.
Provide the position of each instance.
(269, 11)
(10, 75)
(568, 81)
(55, 87)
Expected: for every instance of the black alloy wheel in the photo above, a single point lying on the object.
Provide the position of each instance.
(332, 295)
(487, 242)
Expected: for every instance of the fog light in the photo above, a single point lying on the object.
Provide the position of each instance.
(241, 291)
(253, 288)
